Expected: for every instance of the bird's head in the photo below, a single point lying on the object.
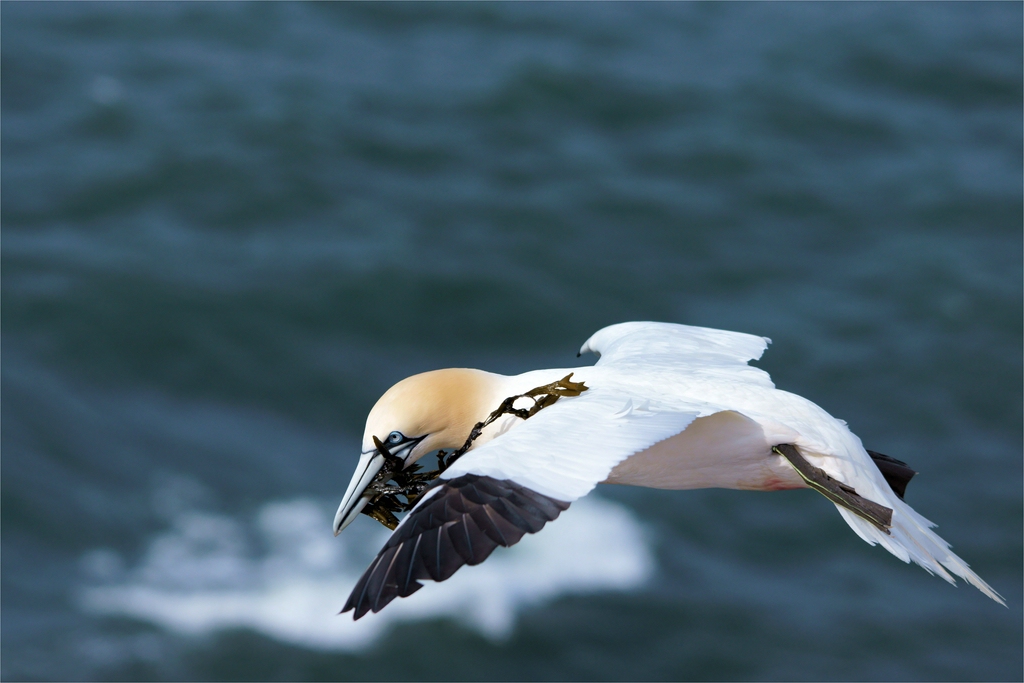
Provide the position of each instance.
(418, 415)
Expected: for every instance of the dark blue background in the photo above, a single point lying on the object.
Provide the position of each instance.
(228, 228)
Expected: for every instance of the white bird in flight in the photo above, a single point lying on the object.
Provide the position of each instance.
(666, 406)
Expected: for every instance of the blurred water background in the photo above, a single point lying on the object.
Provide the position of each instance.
(228, 228)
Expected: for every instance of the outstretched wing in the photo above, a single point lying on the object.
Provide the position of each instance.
(459, 521)
(685, 347)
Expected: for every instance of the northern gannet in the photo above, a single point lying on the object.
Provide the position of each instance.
(666, 406)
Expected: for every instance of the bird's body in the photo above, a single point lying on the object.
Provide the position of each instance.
(666, 406)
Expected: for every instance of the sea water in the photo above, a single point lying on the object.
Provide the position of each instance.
(228, 228)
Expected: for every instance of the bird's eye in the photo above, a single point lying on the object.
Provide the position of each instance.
(396, 437)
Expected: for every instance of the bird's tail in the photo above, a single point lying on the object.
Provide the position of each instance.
(911, 538)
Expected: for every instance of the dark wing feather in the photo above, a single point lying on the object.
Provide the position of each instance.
(896, 472)
(461, 524)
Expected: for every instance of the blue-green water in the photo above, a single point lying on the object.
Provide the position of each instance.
(227, 229)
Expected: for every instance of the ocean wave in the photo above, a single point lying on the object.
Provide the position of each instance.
(201, 575)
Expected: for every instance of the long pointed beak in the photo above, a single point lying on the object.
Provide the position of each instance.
(354, 500)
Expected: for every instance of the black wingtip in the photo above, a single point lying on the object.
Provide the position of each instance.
(360, 610)
(578, 354)
(896, 472)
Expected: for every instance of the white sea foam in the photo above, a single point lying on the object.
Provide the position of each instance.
(204, 574)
